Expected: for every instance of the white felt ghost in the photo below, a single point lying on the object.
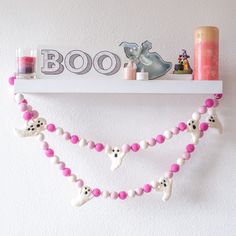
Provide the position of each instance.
(213, 121)
(84, 195)
(33, 128)
(165, 185)
(116, 157)
(193, 129)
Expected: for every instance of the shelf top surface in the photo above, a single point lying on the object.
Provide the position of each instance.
(111, 85)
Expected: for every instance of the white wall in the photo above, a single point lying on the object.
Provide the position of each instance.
(34, 197)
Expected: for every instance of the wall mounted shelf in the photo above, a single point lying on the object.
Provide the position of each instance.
(119, 86)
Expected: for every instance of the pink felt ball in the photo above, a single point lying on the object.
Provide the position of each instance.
(51, 127)
(35, 114)
(49, 152)
(96, 192)
(202, 109)
(174, 168)
(126, 148)
(201, 134)
(66, 172)
(160, 138)
(203, 126)
(182, 126)
(80, 183)
(169, 174)
(74, 139)
(175, 130)
(209, 102)
(186, 156)
(114, 195)
(66, 136)
(147, 188)
(23, 107)
(122, 195)
(139, 191)
(11, 80)
(27, 115)
(152, 142)
(216, 103)
(61, 165)
(24, 101)
(91, 144)
(135, 147)
(190, 148)
(99, 147)
(218, 96)
(45, 146)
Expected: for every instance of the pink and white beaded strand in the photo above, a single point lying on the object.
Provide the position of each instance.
(116, 155)
(86, 193)
(99, 147)
(122, 195)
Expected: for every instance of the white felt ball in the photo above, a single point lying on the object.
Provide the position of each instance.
(107, 149)
(196, 116)
(72, 178)
(59, 131)
(143, 144)
(19, 97)
(105, 194)
(131, 193)
(83, 142)
(154, 183)
(41, 137)
(168, 134)
(211, 112)
(180, 161)
(54, 160)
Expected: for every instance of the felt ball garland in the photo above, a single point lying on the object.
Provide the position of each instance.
(86, 193)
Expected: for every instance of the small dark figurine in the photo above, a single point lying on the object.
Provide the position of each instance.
(183, 66)
(151, 62)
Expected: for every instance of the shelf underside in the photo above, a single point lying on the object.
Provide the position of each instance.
(110, 86)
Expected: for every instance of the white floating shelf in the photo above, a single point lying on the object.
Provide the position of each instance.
(115, 85)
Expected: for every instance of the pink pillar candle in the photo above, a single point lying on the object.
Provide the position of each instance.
(206, 53)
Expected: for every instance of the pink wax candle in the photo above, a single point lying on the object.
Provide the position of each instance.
(206, 53)
(25, 63)
(130, 71)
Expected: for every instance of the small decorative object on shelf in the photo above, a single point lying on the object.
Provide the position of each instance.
(142, 75)
(151, 62)
(206, 53)
(183, 66)
(25, 63)
(130, 71)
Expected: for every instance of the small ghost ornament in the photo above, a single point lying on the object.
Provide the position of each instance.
(213, 121)
(165, 185)
(193, 129)
(33, 128)
(116, 157)
(84, 195)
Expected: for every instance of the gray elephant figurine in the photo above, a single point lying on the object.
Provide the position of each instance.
(151, 62)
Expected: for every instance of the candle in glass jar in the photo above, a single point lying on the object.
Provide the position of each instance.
(25, 63)
(206, 53)
(142, 75)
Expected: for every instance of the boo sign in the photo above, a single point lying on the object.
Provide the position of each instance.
(75, 63)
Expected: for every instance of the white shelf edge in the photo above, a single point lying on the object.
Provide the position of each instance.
(119, 86)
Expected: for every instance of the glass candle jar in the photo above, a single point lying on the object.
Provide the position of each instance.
(26, 63)
(206, 53)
